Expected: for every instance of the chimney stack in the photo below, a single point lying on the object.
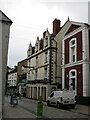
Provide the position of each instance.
(56, 26)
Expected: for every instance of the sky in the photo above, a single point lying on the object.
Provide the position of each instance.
(32, 17)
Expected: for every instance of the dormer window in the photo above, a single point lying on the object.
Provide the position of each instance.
(72, 50)
(37, 47)
(46, 40)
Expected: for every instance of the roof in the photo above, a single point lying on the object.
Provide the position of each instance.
(3, 17)
(13, 71)
(73, 22)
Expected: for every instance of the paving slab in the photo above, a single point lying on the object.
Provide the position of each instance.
(16, 112)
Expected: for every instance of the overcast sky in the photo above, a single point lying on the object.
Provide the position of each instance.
(32, 17)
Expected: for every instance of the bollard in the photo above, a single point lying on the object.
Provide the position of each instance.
(40, 107)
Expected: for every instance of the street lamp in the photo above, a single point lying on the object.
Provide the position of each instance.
(23, 67)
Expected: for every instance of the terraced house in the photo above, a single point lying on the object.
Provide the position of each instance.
(42, 59)
(76, 59)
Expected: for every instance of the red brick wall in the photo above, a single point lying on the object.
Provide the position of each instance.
(79, 47)
(72, 28)
(78, 68)
(56, 26)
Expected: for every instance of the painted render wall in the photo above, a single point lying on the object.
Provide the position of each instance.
(5, 23)
(58, 39)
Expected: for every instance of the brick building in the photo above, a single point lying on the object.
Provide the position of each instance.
(76, 59)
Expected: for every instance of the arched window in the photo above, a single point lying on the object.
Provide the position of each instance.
(73, 80)
(72, 50)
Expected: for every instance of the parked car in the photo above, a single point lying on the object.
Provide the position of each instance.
(62, 98)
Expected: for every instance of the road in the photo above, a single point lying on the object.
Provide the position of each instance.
(48, 112)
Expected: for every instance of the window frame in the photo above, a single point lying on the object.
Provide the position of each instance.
(73, 57)
(46, 40)
(71, 77)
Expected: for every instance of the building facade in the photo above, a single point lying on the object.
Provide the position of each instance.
(42, 60)
(5, 23)
(12, 81)
(76, 59)
(21, 77)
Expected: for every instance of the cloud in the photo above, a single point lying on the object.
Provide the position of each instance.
(32, 17)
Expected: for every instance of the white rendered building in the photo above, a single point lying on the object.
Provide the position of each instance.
(5, 23)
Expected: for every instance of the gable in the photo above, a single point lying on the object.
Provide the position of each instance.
(3, 17)
(72, 28)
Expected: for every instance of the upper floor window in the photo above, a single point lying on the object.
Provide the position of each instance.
(36, 47)
(46, 40)
(36, 60)
(46, 57)
(36, 74)
(72, 50)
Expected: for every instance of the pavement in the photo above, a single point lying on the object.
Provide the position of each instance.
(18, 112)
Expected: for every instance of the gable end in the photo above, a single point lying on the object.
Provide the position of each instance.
(72, 28)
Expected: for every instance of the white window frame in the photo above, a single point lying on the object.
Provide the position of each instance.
(70, 50)
(73, 77)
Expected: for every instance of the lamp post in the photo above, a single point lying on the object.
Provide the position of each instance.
(23, 67)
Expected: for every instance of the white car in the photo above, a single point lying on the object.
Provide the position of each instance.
(59, 98)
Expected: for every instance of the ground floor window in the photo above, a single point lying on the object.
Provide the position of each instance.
(72, 79)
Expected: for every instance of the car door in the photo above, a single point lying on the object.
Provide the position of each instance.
(52, 98)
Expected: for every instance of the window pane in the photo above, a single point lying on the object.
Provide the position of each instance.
(73, 83)
(73, 73)
(73, 42)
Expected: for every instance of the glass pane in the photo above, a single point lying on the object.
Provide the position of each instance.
(73, 83)
(73, 42)
(73, 73)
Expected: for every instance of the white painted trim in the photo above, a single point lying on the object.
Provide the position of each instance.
(63, 78)
(70, 51)
(73, 33)
(63, 53)
(85, 44)
(86, 75)
(70, 77)
(76, 63)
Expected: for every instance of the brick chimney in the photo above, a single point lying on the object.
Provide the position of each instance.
(56, 26)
